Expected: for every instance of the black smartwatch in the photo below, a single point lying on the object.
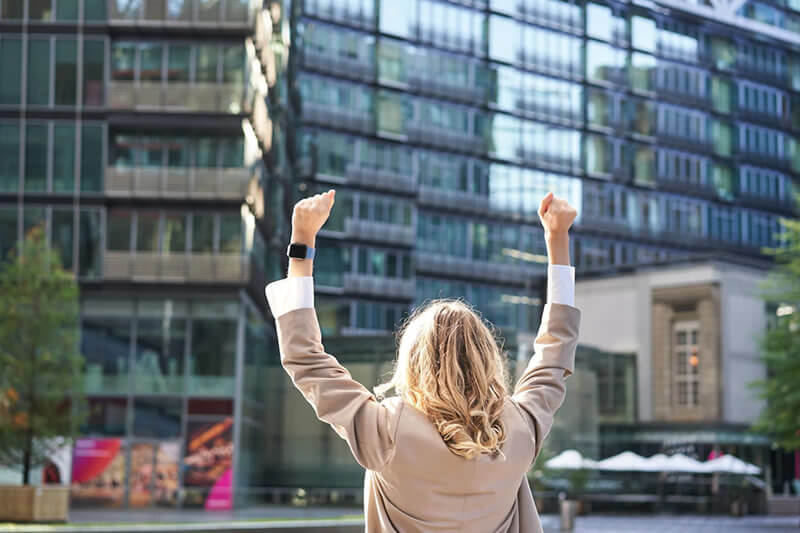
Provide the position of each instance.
(300, 251)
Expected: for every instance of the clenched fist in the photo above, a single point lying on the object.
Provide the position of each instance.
(556, 215)
(309, 215)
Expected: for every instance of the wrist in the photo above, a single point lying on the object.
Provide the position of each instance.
(308, 239)
(556, 237)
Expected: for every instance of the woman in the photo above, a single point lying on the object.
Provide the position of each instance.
(450, 451)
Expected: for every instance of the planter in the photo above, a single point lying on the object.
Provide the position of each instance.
(567, 509)
(34, 504)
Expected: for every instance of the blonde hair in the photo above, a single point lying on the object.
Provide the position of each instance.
(450, 366)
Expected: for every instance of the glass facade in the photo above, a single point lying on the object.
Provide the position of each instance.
(136, 154)
(442, 124)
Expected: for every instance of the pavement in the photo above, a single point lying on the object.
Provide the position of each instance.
(677, 524)
(329, 519)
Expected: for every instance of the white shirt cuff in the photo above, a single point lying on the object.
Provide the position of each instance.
(289, 294)
(561, 284)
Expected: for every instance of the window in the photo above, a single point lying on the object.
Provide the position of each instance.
(10, 70)
(213, 353)
(643, 72)
(644, 34)
(40, 10)
(123, 60)
(39, 72)
(203, 233)
(156, 417)
(174, 238)
(605, 63)
(92, 160)
(206, 63)
(94, 10)
(147, 231)
(89, 244)
(160, 347)
(230, 233)
(504, 39)
(397, 18)
(178, 63)
(66, 72)
(36, 156)
(686, 355)
(150, 58)
(233, 64)
(93, 68)
(119, 230)
(63, 157)
(11, 10)
(9, 156)
(105, 343)
(67, 10)
(62, 237)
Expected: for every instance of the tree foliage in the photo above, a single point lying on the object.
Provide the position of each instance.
(41, 400)
(780, 418)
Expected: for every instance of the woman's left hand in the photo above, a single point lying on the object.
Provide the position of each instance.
(309, 215)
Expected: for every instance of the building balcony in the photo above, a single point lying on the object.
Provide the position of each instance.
(183, 13)
(571, 20)
(688, 143)
(379, 285)
(471, 268)
(178, 97)
(783, 205)
(763, 118)
(667, 182)
(384, 232)
(540, 110)
(437, 87)
(606, 224)
(752, 71)
(381, 179)
(456, 200)
(179, 267)
(681, 97)
(348, 68)
(342, 13)
(550, 64)
(350, 119)
(449, 138)
(762, 159)
(544, 159)
(169, 182)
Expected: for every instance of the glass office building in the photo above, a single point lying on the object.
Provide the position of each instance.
(672, 126)
(132, 132)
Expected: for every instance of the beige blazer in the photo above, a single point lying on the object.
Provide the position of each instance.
(413, 483)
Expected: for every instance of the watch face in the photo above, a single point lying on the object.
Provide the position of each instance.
(297, 250)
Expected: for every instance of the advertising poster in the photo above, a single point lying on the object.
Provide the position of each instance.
(141, 477)
(98, 472)
(165, 485)
(209, 460)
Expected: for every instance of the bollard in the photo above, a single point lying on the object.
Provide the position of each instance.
(567, 511)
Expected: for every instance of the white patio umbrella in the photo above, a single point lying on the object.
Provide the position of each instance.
(730, 464)
(626, 462)
(678, 463)
(569, 460)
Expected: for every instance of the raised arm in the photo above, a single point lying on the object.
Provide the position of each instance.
(541, 389)
(337, 399)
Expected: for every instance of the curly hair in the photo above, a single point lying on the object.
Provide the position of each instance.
(451, 367)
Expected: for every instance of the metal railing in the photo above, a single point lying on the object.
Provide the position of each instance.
(453, 199)
(381, 179)
(379, 285)
(170, 182)
(370, 230)
(178, 96)
(176, 267)
(459, 266)
(183, 12)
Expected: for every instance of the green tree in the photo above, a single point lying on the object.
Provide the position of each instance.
(41, 400)
(780, 418)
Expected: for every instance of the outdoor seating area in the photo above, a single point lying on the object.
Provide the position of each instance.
(660, 483)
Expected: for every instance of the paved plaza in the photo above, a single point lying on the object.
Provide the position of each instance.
(677, 524)
(601, 523)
